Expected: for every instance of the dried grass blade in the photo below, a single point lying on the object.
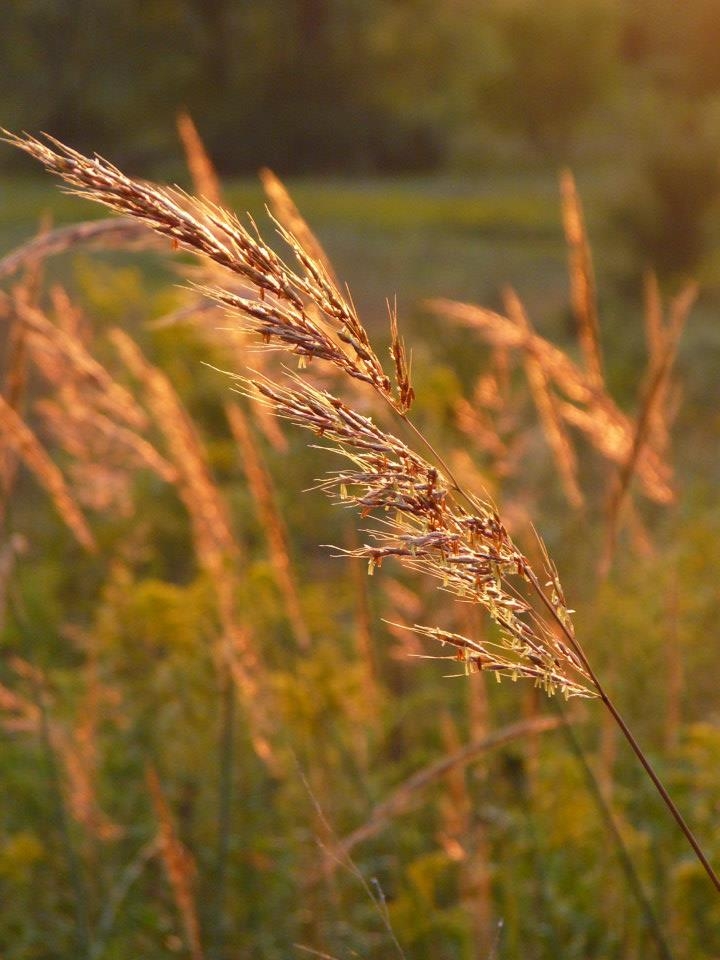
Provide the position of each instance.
(582, 280)
(202, 170)
(20, 438)
(115, 232)
(179, 866)
(545, 402)
(263, 491)
(286, 213)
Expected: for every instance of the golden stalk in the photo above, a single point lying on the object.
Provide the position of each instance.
(21, 439)
(179, 866)
(545, 402)
(203, 173)
(582, 280)
(262, 489)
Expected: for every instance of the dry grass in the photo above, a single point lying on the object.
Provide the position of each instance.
(126, 234)
(20, 438)
(427, 521)
(263, 492)
(179, 866)
(420, 514)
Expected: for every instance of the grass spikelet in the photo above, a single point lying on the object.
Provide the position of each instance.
(502, 333)
(406, 394)
(279, 316)
(652, 314)
(475, 420)
(425, 527)
(54, 349)
(287, 214)
(90, 435)
(215, 544)
(13, 389)
(594, 413)
(650, 417)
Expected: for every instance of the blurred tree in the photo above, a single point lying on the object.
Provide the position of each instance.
(667, 215)
(677, 42)
(556, 64)
(675, 47)
(298, 84)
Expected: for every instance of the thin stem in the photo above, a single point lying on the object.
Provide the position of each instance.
(438, 457)
(667, 799)
(82, 919)
(623, 854)
(225, 797)
(127, 878)
(83, 932)
(627, 733)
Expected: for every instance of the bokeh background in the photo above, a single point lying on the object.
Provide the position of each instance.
(424, 142)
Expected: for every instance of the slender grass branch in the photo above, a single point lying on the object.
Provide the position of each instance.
(226, 756)
(630, 738)
(623, 854)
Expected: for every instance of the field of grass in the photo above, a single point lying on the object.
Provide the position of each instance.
(164, 797)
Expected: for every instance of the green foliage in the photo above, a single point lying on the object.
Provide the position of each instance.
(675, 194)
(555, 64)
(311, 85)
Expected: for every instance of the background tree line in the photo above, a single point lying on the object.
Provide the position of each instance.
(360, 86)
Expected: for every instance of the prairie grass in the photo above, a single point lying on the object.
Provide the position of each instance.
(315, 674)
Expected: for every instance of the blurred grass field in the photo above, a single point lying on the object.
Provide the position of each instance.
(413, 238)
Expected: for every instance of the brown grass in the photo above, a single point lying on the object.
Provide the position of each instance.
(217, 550)
(20, 438)
(263, 492)
(423, 517)
(547, 405)
(582, 280)
(179, 866)
(123, 233)
(202, 170)
(428, 522)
